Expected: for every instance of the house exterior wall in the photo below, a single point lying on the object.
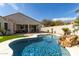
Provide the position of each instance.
(2, 22)
(10, 25)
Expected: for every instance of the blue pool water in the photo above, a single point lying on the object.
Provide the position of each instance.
(41, 46)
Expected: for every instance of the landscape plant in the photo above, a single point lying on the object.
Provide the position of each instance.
(66, 31)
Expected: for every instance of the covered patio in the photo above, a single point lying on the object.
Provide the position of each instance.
(26, 28)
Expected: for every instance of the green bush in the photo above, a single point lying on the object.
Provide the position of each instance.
(2, 31)
(66, 31)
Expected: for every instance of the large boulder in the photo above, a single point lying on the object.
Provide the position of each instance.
(69, 40)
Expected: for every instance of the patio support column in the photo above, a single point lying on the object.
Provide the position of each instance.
(28, 28)
(36, 28)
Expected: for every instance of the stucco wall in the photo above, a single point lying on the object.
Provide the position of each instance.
(57, 29)
(2, 22)
(10, 24)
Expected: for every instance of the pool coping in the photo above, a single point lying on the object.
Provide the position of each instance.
(6, 50)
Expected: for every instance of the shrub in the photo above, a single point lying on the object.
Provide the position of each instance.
(66, 31)
(2, 31)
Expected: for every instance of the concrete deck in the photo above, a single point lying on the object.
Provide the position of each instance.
(74, 51)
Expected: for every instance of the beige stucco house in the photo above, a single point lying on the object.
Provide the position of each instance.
(19, 23)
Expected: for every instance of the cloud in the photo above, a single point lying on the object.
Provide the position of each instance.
(66, 18)
(11, 4)
(14, 6)
(2, 4)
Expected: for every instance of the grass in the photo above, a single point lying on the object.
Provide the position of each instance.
(4, 38)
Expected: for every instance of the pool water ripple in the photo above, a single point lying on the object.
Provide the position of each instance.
(42, 46)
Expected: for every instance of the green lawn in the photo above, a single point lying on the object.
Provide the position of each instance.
(4, 38)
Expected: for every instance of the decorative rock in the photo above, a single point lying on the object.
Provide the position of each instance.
(69, 40)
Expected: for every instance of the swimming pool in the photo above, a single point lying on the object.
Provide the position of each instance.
(46, 45)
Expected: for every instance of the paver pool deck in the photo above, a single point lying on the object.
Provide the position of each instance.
(6, 50)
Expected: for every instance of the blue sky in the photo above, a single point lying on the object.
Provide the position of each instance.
(40, 11)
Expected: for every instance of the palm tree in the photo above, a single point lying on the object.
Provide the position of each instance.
(77, 11)
(76, 22)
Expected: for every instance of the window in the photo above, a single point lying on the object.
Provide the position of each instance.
(6, 26)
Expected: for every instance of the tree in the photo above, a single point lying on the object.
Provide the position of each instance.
(76, 22)
(66, 31)
(58, 22)
(46, 22)
(2, 31)
(77, 11)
